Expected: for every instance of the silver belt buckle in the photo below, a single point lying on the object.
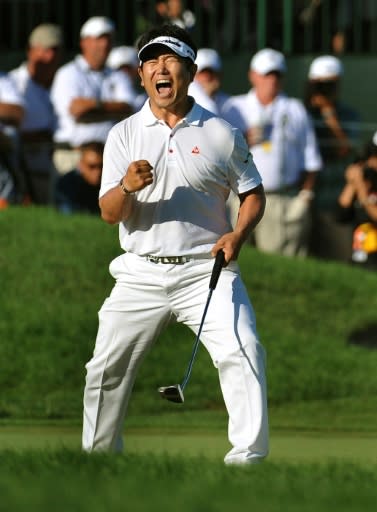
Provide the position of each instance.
(168, 260)
(153, 259)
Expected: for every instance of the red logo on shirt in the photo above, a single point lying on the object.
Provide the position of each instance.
(195, 150)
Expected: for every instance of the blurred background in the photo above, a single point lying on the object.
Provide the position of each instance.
(301, 29)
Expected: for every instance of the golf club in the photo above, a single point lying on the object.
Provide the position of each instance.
(174, 393)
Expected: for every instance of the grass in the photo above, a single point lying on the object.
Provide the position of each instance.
(55, 277)
(322, 388)
(160, 483)
(286, 447)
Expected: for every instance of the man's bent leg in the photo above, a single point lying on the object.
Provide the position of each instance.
(129, 322)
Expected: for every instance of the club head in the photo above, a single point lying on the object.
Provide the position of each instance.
(172, 393)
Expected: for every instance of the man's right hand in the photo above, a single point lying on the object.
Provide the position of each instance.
(139, 175)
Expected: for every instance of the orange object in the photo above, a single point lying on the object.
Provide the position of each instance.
(3, 203)
(365, 238)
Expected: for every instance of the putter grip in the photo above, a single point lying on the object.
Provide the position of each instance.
(218, 265)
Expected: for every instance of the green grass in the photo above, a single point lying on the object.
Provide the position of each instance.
(159, 483)
(55, 276)
(322, 389)
(286, 446)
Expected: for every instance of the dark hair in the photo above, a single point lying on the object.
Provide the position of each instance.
(93, 145)
(170, 30)
(370, 175)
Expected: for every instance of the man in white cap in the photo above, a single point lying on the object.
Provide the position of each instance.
(167, 172)
(124, 58)
(206, 87)
(337, 129)
(282, 141)
(89, 97)
(34, 78)
(331, 116)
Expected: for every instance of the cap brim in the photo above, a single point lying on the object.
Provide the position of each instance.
(174, 45)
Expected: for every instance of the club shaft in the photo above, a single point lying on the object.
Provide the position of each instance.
(196, 344)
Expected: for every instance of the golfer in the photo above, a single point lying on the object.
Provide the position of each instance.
(167, 173)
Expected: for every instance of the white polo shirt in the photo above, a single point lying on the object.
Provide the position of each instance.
(195, 165)
(288, 145)
(39, 112)
(76, 79)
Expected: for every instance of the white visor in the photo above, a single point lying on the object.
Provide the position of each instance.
(178, 47)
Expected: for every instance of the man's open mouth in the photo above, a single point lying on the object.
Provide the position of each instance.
(164, 87)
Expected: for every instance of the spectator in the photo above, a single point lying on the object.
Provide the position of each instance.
(78, 190)
(176, 13)
(88, 96)
(335, 123)
(11, 114)
(206, 87)
(124, 58)
(34, 78)
(344, 14)
(337, 129)
(357, 204)
(282, 141)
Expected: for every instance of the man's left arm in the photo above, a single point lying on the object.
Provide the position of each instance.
(91, 110)
(252, 205)
(114, 108)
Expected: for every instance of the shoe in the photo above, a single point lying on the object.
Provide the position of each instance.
(242, 461)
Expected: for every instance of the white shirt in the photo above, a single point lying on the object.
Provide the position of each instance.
(39, 112)
(288, 144)
(213, 104)
(195, 165)
(9, 94)
(76, 79)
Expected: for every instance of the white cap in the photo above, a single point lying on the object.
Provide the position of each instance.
(207, 58)
(325, 67)
(46, 35)
(268, 60)
(123, 56)
(97, 26)
(175, 45)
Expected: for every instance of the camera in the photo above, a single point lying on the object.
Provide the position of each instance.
(370, 175)
(327, 88)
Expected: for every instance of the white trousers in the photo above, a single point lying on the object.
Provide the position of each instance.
(145, 298)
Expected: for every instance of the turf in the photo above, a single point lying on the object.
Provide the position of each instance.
(67, 480)
(55, 276)
(322, 386)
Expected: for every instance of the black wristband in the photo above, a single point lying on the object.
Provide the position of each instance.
(123, 188)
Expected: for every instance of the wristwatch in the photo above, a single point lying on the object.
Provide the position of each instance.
(123, 188)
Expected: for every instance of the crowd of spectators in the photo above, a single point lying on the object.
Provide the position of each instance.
(55, 118)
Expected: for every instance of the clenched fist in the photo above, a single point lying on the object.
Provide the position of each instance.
(139, 175)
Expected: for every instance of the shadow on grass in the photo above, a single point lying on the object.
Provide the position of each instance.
(365, 336)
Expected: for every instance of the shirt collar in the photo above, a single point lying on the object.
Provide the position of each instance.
(192, 117)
